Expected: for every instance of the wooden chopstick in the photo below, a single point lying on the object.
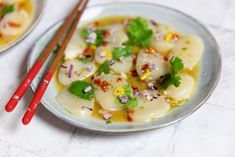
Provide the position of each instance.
(20, 91)
(49, 74)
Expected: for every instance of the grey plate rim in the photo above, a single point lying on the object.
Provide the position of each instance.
(153, 127)
(27, 32)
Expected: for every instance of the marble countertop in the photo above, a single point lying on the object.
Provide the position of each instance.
(209, 132)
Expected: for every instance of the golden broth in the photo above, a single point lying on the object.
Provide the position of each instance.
(121, 116)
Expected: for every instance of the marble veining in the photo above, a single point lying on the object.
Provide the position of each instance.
(209, 132)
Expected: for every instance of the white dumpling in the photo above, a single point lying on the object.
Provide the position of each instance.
(75, 46)
(14, 23)
(189, 48)
(117, 35)
(159, 43)
(150, 109)
(155, 61)
(184, 91)
(123, 66)
(75, 105)
(79, 71)
(103, 53)
(106, 98)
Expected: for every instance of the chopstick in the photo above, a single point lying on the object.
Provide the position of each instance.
(20, 91)
(49, 74)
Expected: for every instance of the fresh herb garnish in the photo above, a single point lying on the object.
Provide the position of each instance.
(62, 59)
(104, 68)
(139, 33)
(57, 48)
(86, 60)
(108, 122)
(7, 9)
(122, 52)
(100, 37)
(98, 40)
(173, 77)
(132, 101)
(84, 33)
(77, 88)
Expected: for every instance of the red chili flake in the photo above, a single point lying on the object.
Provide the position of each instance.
(135, 89)
(134, 61)
(105, 43)
(97, 24)
(97, 82)
(134, 73)
(130, 115)
(88, 50)
(166, 58)
(145, 67)
(129, 119)
(1, 5)
(106, 33)
(119, 79)
(13, 24)
(104, 85)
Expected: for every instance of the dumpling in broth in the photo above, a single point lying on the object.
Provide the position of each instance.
(75, 105)
(150, 109)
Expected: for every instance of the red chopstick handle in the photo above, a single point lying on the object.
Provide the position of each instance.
(23, 87)
(37, 98)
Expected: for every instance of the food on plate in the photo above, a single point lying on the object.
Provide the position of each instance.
(128, 69)
(15, 18)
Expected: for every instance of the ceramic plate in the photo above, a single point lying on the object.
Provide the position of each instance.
(38, 7)
(210, 66)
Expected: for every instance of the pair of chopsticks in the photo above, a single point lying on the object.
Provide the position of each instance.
(71, 21)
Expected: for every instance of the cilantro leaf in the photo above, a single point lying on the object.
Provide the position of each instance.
(100, 37)
(7, 9)
(129, 94)
(104, 68)
(77, 88)
(86, 60)
(84, 33)
(122, 52)
(56, 49)
(139, 33)
(176, 64)
(173, 78)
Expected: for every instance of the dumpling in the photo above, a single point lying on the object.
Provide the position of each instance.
(117, 35)
(189, 48)
(123, 66)
(150, 109)
(184, 91)
(103, 53)
(105, 97)
(152, 61)
(75, 105)
(14, 23)
(162, 41)
(75, 46)
(73, 70)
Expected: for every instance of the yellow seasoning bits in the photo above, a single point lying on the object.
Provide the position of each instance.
(93, 47)
(150, 50)
(171, 36)
(146, 75)
(141, 107)
(135, 49)
(119, 91)
(107, 53)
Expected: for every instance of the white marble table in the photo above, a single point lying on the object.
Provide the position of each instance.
(209, 132)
